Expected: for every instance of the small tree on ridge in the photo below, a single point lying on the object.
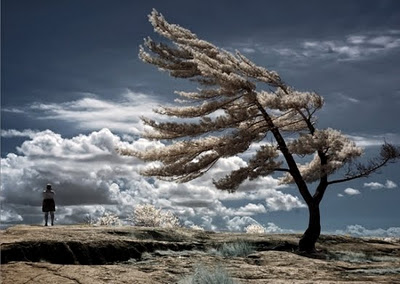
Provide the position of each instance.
(231, 83)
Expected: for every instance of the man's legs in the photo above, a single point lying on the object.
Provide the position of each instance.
(52, 217)
(46, 218)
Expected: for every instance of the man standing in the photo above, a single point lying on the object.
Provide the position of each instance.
(48, 204)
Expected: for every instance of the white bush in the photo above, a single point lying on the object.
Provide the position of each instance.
(169, 220)
(196, 228)
(147, 215)
(255, 229)
(108, 219)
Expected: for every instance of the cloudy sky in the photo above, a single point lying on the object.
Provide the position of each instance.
(73, 88)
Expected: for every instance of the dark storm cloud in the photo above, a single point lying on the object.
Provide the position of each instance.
(55, 51)
(59, 48)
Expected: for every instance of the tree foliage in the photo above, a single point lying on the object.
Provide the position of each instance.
(229, 83)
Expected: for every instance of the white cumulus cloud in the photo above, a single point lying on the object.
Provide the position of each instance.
(272, 228)
(90, 177)
(283, 201)
(351, 191)
(251, 209)
(390, 184)
(360, 231)
(10, 216)
(376, 185)
(238, 224)
(84, 170)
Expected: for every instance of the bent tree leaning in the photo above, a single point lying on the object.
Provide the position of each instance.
(256, 105)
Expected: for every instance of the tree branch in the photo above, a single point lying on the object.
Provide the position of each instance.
(389, 153)
(293, 169)
(323, 183)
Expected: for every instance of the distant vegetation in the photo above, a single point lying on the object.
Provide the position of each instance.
(255, 229)
(145, 215)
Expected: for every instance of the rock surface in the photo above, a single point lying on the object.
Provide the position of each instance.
(82, 254)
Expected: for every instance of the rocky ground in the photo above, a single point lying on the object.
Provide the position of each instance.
(82, 254)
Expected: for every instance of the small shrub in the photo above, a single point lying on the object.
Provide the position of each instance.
(203, 275)
(108, 219)
(169, 220)
(147, 215)
(236, 249)
(255, 229)
(196, 228)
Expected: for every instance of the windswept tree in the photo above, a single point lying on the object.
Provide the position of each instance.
(239, 104)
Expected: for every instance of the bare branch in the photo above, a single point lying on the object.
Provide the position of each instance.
(388, 154)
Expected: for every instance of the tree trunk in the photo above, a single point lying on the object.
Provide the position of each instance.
(311, 235)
